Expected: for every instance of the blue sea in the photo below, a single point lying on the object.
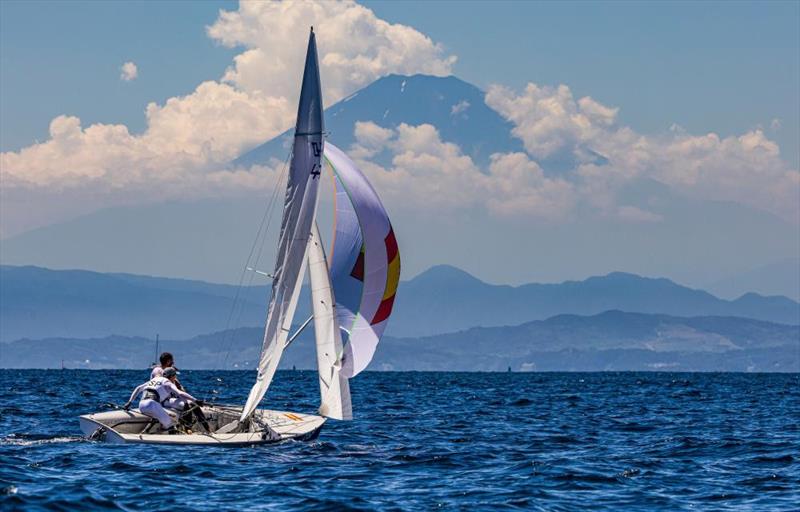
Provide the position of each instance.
(531, 441)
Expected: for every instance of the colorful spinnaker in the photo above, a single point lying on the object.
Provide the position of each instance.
(364, 263)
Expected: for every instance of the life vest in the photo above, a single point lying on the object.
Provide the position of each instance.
(160, 387)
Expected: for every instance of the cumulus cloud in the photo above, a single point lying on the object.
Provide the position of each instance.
(605, 156)
(189, 138)
(128, 71)
(551, 123)
(358, 47)
(185, 137)
(425, 171)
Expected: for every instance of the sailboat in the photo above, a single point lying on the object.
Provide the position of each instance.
(352, 296)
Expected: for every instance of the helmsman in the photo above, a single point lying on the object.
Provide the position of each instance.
(156, 393)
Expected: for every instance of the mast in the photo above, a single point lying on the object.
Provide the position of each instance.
(156, 360)
(299, 209)
(334, 387)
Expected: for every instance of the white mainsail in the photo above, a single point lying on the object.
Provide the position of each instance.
(334, 387)
(299, 209)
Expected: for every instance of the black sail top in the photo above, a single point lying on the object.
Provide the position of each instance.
(309, 111)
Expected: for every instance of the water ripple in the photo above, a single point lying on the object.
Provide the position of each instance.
(555, 441)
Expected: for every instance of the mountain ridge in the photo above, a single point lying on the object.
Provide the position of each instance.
(42, 303)
(608, 341)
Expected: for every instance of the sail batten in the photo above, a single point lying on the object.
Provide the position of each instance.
(299, 210)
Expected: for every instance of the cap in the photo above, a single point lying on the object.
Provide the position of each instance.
(170, 372)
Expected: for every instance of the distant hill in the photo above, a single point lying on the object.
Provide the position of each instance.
(37, 303)
(782, 275)
(445, 299)
(610, 341)
(41, 303)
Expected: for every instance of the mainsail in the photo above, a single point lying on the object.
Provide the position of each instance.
(365, 262)
(299, 208)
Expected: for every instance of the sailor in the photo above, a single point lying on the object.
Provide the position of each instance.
(155, 392)
(166, 361)
(177, 403)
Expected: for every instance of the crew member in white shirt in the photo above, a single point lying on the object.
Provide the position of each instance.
(156, 392)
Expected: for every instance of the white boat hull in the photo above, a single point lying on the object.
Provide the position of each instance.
(122, 427)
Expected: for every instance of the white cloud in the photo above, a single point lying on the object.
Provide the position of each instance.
(427, 172)
(548, 120)
(188, 138)
(551, 124)
(128, 71)
(372, 139)
(355, 47)
(216, 122)
(459, 108)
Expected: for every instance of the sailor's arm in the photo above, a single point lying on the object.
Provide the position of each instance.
(180, 394)
(136, 391)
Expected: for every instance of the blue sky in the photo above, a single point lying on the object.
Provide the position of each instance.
(707, 66)
(63, 58)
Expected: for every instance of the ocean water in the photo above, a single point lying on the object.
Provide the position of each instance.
(532, 441)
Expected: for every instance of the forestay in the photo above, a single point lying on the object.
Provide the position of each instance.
(365, 262)
(298, 215)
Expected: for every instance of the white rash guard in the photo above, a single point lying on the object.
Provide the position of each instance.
(167, 393)
(158, 371)
(163, 387)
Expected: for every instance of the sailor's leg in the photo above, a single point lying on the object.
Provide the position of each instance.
(177, 404)
(201, 418)
(154, 410)
(180, 406)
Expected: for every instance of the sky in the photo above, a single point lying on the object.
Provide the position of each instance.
(106, 105)
(707, 66)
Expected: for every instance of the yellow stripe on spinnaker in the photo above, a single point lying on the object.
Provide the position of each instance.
(392, 277)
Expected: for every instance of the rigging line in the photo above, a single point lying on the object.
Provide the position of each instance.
(265, 224)
(271, 210)
(235, 302)
(264, 219)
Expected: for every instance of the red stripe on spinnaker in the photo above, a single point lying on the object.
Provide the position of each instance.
(358, 268)
(384, 310)
(391, 245)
